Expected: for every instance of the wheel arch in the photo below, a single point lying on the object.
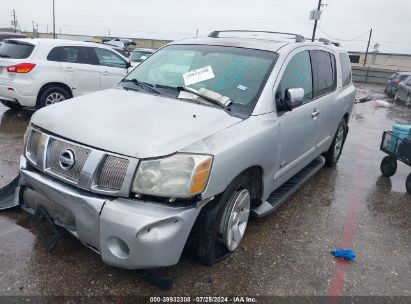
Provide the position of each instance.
(255, 176)
(54, 84)
(346, 117)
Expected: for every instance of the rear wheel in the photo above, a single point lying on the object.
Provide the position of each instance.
(221, 224)
(408, 183)
(11, 105)
(333, 154)
(388, 166)
(51, 96)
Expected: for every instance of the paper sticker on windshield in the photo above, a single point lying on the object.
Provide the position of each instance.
(242, 87)
(198, 75)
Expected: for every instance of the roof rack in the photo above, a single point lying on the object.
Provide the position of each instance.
(328, 42)
(297, 37)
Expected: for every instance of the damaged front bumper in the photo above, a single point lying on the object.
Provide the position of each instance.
(127, 233)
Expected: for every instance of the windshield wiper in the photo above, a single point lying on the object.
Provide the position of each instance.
(144, 85)
(204, 95)
(4, 56)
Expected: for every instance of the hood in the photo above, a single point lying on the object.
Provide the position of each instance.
(132, 123)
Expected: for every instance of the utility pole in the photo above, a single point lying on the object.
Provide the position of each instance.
(37, 30)
(316, 20)
(368, 46)
(54, 22)
(14, 21)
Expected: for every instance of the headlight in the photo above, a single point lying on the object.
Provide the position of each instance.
(180, 175)
(32, 141)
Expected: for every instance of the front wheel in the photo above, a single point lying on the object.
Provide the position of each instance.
(333, 154)
(221, 224)
(388, 166)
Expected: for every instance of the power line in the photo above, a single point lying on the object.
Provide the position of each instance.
(362, 40)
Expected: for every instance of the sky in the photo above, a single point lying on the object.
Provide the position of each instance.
(348, 21)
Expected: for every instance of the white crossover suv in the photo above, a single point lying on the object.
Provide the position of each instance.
(40, 72)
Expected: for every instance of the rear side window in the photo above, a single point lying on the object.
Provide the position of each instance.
(324, 72)
(110, 59)
(72, 54)
(345, 69)
(15, 49)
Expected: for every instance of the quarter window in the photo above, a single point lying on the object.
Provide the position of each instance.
(297, 75)
(324, 73)
(110, 59)
(345, 69)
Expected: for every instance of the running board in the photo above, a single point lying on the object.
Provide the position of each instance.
(282, 193)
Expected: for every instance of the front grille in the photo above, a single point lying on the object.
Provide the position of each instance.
(81, 154)
(113, 172)
(88, 168)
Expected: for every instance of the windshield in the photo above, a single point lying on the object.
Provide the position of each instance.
(139, 56)
(237, 73)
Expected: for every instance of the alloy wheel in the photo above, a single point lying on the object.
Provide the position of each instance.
(339, 142)
(236, 219)
(54, 97)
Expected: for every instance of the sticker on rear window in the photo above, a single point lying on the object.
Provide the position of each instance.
(198, 75)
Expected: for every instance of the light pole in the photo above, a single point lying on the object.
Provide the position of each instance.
(54, 22)
(316, 20)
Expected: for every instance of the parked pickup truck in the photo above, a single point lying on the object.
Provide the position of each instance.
(200, 136)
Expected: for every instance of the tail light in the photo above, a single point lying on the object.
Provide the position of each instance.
(397, 81)
(21, 68)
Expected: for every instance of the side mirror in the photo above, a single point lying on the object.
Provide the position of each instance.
(294, 97)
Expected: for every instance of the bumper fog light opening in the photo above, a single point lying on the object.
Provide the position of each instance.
(118, 247)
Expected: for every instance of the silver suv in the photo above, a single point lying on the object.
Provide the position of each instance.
(198, 137)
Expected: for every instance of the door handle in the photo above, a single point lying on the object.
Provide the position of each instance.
(105, 73)
(69, 69)
(315, 114)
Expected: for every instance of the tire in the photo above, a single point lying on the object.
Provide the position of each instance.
(334, 152)
(11, 105)
(388, 166)
(408, 100)
(408, 183)
(207, 240)
(51, 96)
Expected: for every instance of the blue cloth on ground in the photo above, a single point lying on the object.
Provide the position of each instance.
(347, 254)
